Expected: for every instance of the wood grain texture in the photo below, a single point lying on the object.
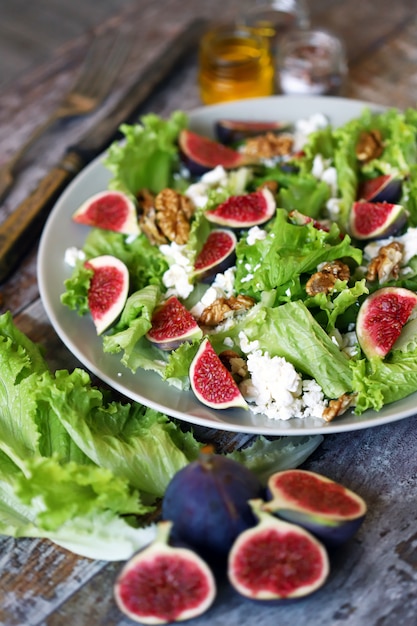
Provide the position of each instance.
(374, 577)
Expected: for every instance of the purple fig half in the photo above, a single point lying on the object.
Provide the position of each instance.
(172, 324)
(384, 188)
(108, 290)
(212, 382)
(208, 502)
(231, 131)
(251, 209)
(381, 318)
(163, 583)
(201, 154)
(375, 220)
(276, 560)
(324, 507)
(216, 255)
(110, 210)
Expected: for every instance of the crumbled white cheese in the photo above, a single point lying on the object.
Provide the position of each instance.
(228, 341)
(304, 128)
(130, 239)
(255, 234)
(275, 388)
(333, 208)
(177, 277)
(322, 170)
(408, 240)
(198, 192)
(226, 281)
(221, 287)
(72, 255)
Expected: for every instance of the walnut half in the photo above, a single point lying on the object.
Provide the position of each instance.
(386, 265)
(325, 279)
(222, 308)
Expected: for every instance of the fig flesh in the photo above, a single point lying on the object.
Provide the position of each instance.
(375, 220)
(108, 290)
(212, 382)
(216, 255)
(251, 209)
(163, 584)
(110, 210)
(232, 131)
(384, 188)
(322, 506)
(381, 319)
(201, 154)
(172, 324)
(207, 501)
(276, 560)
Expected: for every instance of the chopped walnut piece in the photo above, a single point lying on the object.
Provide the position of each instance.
(222, 308)
(325, 279)
(268, 146)
(338, 407)
(369, 146)
(147, 218)
(386, 265)
(173, 214)
(272, 185)
(236, 365)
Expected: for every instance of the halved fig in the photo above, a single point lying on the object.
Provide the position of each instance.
(163, 584)
(231, 131)
(216, 255)
(207, 501)
(374, 220)
(276, 560)
(110, 210)
(212, 382)
(299, 219)
(251, 209)
(384, 188)
(324, 507)
(201, 154)
(381, 318)
(108, 290)
(172, 324)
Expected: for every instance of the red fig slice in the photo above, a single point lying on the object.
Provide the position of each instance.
(276, 560)
(385, 188)
(324, 507)
(373, 220)
(232, 131)
(163, 584)
(244, 211)
(382, 317)
(108, 290)
(172, 324)
(212, 382)
(110, 210)
(202, 154)
(216, 255)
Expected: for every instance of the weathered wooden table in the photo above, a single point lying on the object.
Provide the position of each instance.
(374, 578)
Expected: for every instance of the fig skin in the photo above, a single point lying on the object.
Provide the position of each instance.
(142, 589)
(185, 327)
(388, 219)
(327, 509)
(108, 290)
(265, 561)
(207, 501)
(385, 188)
(245, 211)
(219, 262)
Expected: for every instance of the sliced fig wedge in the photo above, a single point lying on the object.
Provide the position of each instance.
(382, 317)
(385, 188)
(375, 220)
(251, 209)
(212, 382)
(202, 154)
(108, 290)
(276, 560)
(207, 501)
(110, 210)
(216, 255)
(172, 324)
(231, 131)
(324, 507)
(163, 584)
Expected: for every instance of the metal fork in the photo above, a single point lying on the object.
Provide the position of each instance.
(102, 65)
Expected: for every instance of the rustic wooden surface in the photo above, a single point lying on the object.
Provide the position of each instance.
(374, 578)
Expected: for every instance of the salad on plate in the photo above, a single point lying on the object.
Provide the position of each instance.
(272, 268)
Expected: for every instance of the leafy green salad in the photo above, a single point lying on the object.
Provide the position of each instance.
(297, 346)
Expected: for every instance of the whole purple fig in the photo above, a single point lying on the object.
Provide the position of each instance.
(207, 501)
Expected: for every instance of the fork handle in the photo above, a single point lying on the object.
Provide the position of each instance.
(24, 225)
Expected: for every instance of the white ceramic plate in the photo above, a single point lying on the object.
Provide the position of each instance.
(145, 387)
